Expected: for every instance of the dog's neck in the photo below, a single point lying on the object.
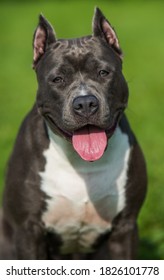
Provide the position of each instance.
(63, 147)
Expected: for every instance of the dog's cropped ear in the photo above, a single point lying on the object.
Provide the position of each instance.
(102, 28)
(44, 36)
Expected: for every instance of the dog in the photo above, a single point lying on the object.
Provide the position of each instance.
(76, 179)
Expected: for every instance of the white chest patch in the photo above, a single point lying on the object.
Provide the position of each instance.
(84, 196)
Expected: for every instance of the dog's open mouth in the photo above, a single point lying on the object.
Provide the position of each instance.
(89, 142)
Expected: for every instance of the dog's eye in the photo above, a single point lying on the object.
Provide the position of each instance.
(103, 73)
(57, 79)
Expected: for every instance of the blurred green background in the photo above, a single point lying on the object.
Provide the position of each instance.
(140, 27)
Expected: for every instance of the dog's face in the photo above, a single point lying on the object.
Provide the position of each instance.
(81, 89)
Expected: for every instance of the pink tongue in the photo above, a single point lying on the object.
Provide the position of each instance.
(89, 142)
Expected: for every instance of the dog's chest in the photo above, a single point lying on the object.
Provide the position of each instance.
(83, 197)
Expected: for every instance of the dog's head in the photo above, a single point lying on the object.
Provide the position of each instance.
(81, 89)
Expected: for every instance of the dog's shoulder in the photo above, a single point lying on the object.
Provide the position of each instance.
(32, 133)
(23, 167)
(126, 129)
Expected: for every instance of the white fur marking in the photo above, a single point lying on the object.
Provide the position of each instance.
(85, 197)
(82, 92)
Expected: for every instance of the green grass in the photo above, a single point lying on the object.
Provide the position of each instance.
(140, 27)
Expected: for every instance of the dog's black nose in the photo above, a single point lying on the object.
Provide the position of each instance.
(86, 105)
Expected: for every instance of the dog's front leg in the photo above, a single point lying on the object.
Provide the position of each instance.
(30, 241)
(123, 241)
